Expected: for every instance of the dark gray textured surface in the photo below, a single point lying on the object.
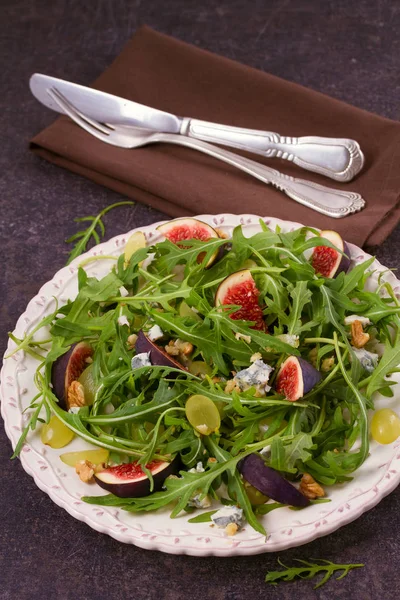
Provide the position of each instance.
(349, 50)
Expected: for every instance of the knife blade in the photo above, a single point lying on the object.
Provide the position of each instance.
(338, 158)
(102, 106)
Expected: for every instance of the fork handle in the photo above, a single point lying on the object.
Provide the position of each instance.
(338, 158)
(328, 201)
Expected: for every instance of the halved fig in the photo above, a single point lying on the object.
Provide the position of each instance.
(269, 482)
(328, 261)
(189, 229)
(295, 378)
(157, 356)
(68, 368)
(240, 289)
(130, 481)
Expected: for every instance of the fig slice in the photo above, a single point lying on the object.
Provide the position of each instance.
(269, 482)
(188, 229)
(130, 481)
(157, 355)
(327, 261)
(295, 378)
(68, 368)
(240, 288)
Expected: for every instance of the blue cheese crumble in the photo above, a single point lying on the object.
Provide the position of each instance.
(227, 515)
(141, 360)
(155, 333)
(288, 338)
(198, 468)
(257, 375)
(351, 318)
(197, 501)
(122, 320)
(368, 360)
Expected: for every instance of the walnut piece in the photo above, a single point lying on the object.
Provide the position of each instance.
(358, 337)
(312, 356)
(327, 364)
(255, 356)
(131, 341)
(85, 469)
(242, 336)
(179, 348)
(231, 386)
(231, 529)
(172, 349)
(76, 395)
(221, 233)
(310, 488)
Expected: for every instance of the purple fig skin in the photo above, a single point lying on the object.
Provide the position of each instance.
(345, 261)
(311, 376)
(139, 487)
(62, 373)
(157, 355)
(269, 482)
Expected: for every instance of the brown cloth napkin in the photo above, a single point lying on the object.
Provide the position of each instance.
(162, 72)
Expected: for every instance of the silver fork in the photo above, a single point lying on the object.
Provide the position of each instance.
(328, 201)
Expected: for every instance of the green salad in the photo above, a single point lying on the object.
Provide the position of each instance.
(217, 372)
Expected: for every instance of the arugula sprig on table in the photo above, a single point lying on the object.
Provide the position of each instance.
(83, 237)
(310, 570)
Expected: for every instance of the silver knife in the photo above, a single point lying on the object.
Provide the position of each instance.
(338, 158)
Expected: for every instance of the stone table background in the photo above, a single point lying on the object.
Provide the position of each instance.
(350, 50)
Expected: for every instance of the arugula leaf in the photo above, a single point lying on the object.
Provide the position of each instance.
(84, 236)
(203, 518)
(277, 457)
(69, 330)
(285, 456)
(389, 360)
(263, 340)
(310, 570)
(197, 333)
(351, 280)
(101, 290)
(301, 296)
(169, 254)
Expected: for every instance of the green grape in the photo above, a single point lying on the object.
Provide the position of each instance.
(139, 321)
(135, 242)
(249, 264)
(254, 495)
(266, 423)
(385, 426)
(55, 434)
(199, 367)
(202, 414)
(89, 386)
(186, 311)
(97, 457)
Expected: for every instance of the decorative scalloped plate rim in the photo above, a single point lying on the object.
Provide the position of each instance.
(377, 477)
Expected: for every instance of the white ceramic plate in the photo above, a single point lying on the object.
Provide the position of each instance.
(378, 476)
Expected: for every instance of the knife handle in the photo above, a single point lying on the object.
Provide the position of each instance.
(338, 158)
